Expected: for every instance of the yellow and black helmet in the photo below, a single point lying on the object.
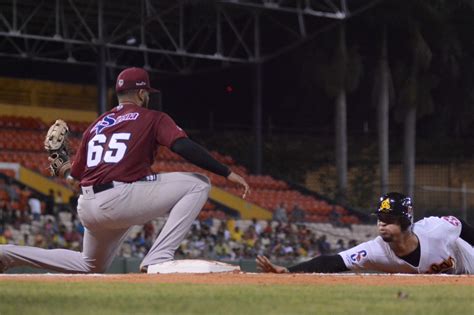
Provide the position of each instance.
(396, 204)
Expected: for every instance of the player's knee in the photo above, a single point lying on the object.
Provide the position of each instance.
(204, 181)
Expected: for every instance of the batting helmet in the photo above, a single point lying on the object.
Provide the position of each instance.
(396, 204)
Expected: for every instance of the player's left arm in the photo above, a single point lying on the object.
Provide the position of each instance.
(467, 232)
(199, 156)
(319, 264)
(167, 133)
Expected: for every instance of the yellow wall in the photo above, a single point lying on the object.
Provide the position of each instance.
(43, 184)
(47, 114)
(38, 93)
(246, 209)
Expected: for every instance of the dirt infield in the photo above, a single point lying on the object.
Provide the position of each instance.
(252, 278)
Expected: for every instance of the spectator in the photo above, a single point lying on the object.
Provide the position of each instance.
(280, 213)
(250, 236)
(139, 240)
(222, 250)
(268, 229)
(26, 239)
(287, 250)
(35, 207)
(3, 184)
(231, 224)
(7, 215)
(196, 247)
(340, 244)
(323, 245)
(49, 203)
(224, 231)
(335, 216)
(50, 229)
(352, 243)
(40, 241)
(13, 191)
(8, 234)
(73, 203)
(58, 200)
(257, 226)
(236, 235)
(138, 244)
(297, 214)
(149, 230)
(3, 239)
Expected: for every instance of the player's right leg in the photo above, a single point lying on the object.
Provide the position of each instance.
(193, 190)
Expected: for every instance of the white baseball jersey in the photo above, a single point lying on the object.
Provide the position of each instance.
(441, 251)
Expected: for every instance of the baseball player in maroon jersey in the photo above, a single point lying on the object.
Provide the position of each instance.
(119, 190)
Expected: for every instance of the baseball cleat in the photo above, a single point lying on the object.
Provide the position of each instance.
(192, 266)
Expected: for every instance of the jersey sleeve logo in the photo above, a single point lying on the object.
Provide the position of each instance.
(453, 220)
(357, 257)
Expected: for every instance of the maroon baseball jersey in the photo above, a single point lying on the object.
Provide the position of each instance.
(120, 145)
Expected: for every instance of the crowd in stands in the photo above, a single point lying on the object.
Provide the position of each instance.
(227, 241)
(220, 237)
(28, 218)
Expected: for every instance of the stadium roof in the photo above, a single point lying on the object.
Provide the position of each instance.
(167, 36)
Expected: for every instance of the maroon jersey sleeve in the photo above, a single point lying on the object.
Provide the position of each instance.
(166, 131)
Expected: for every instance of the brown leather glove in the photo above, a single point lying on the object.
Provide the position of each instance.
(56, 144)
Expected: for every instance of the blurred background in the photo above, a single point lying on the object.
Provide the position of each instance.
(324, 105)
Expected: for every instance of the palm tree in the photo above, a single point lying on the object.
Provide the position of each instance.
(414, 99)
(338, 77)
(382, 86)
(340, 122)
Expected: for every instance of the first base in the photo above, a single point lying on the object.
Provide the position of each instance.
(192, 266)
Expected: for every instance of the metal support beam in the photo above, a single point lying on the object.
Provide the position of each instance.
(101, 64)
(308, 10)
(257, 106)
(191, 37)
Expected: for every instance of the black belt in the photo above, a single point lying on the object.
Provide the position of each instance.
(103, 187)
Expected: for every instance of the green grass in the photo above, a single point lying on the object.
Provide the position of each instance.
(140, 298)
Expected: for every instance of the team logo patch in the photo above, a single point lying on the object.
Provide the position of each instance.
(385, 205)
(106, 122)
(357, 257)
(110, 120)
(120, 82)
(444, 266)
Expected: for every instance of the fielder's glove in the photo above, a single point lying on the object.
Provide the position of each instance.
(56, 143)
